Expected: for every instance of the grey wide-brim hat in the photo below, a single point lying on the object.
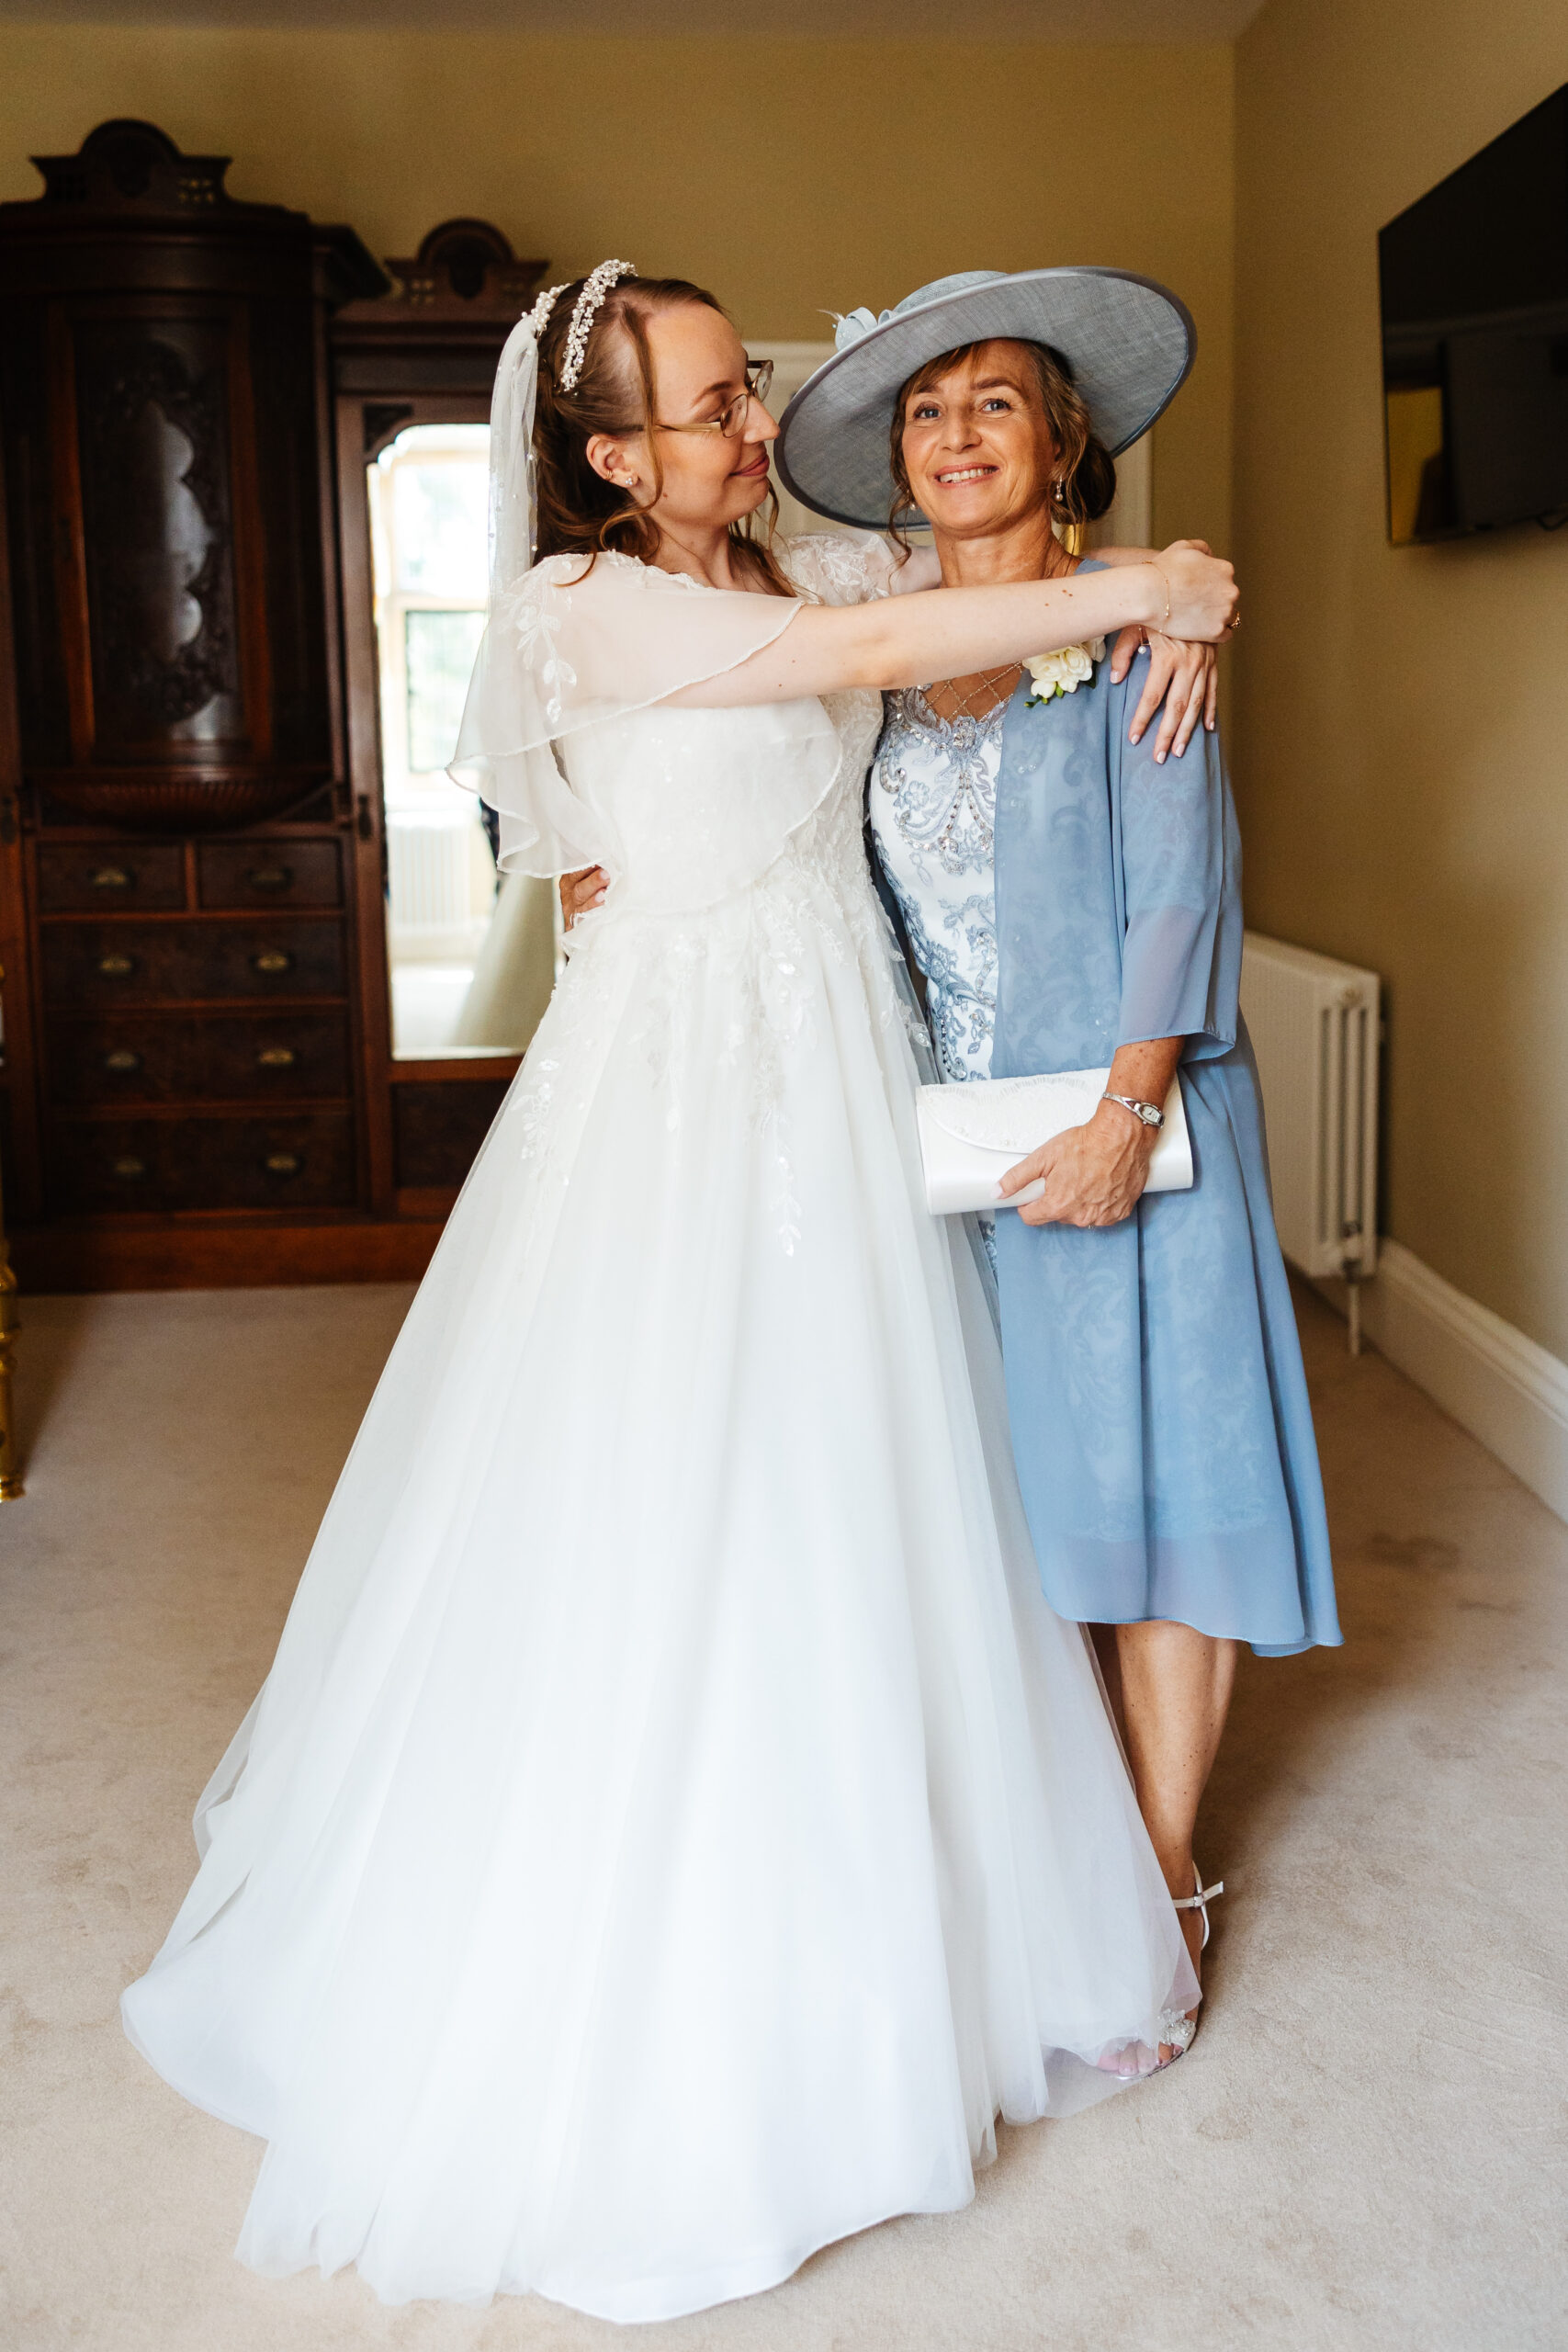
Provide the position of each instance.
(1128, 344)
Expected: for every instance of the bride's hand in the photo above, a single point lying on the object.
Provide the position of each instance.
(581, 890)
(1184, 677)
(1201, 592)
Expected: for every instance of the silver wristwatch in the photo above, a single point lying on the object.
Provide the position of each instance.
(1148, 1114)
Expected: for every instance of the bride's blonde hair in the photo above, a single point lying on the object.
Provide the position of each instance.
(577, 512)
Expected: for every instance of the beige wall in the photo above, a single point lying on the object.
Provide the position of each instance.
(1398, 746)
(791, 178)
(1402, 714)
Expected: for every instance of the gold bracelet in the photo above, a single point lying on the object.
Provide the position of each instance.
(1166, 585)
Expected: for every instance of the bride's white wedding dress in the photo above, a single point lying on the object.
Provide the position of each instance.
(674, 1826)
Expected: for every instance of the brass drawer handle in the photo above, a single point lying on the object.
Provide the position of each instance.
(112, 877)
(277, 1058)
(283, 1163)
(270, 877)
(122, 1060)
(115, 967)
(273, 959)
(128, 1166)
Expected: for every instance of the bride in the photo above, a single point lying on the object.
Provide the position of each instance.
(674, 1827)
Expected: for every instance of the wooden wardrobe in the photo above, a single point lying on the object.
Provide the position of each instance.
(197, 1085)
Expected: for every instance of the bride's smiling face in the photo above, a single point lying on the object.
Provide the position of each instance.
(976, 446)
(710, 479)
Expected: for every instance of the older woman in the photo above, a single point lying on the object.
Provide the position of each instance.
(1073, 899)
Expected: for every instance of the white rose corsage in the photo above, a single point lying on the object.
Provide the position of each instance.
(1062, 673)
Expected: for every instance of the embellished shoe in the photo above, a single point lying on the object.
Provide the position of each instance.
(1176, 2033)
(1136, 2059)
(1175, 2026)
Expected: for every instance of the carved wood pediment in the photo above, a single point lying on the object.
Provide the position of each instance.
(441, 328)
(126, 165)
(466, 269)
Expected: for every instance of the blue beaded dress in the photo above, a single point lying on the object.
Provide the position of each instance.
(933, 804)
(1063, 894)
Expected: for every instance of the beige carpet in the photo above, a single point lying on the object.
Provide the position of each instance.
(1364, 2149)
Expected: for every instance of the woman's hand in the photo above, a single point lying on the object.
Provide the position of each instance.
(1094, 1174)
(1199, 591)
(1184, 677)
(581, 890)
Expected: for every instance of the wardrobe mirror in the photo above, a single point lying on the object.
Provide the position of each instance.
(471, 953)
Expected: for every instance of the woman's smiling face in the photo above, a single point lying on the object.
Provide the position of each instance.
(977, 448)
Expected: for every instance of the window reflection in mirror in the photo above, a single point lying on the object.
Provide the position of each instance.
(472, 954)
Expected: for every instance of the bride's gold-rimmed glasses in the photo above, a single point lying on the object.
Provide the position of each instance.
(731, 419)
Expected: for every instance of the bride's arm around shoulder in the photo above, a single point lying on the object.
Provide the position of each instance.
(881, 639)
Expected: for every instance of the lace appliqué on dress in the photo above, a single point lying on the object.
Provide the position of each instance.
(839, 567)
(534, 612)
(941, 775)
(636, 976)
(754, 952)
(933, 812)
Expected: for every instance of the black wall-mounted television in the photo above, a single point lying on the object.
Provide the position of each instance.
(1474, 281)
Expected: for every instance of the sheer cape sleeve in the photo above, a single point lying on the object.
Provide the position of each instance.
(570, 649)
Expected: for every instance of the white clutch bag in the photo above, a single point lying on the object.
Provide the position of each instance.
(973, 1133)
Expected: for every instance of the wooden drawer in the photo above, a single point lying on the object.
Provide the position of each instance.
(438, 1128)
(305, 1162)
(98, 965)
(135, 876)
(269, 874)
(198, 1057)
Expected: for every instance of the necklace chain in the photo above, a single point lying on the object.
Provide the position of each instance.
(950, 699)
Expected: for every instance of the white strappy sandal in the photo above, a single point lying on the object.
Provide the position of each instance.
(1175, 2026)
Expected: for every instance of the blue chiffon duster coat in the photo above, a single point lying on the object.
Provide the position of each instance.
(1159, 1410)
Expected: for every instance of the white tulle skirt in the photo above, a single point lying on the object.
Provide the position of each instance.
(674, 1827)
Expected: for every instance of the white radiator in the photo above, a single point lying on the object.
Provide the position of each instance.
(1315, 1028)
(441, 884)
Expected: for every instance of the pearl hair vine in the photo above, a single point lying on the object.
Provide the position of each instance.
(595, 286)
(512, 508)
(539, 316)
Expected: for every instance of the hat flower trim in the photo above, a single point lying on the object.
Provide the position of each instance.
(849, 326)
(1062, 673)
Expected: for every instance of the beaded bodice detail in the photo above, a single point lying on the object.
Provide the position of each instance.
(933, 801)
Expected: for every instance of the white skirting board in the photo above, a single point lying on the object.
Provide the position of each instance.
(1502, 1387)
